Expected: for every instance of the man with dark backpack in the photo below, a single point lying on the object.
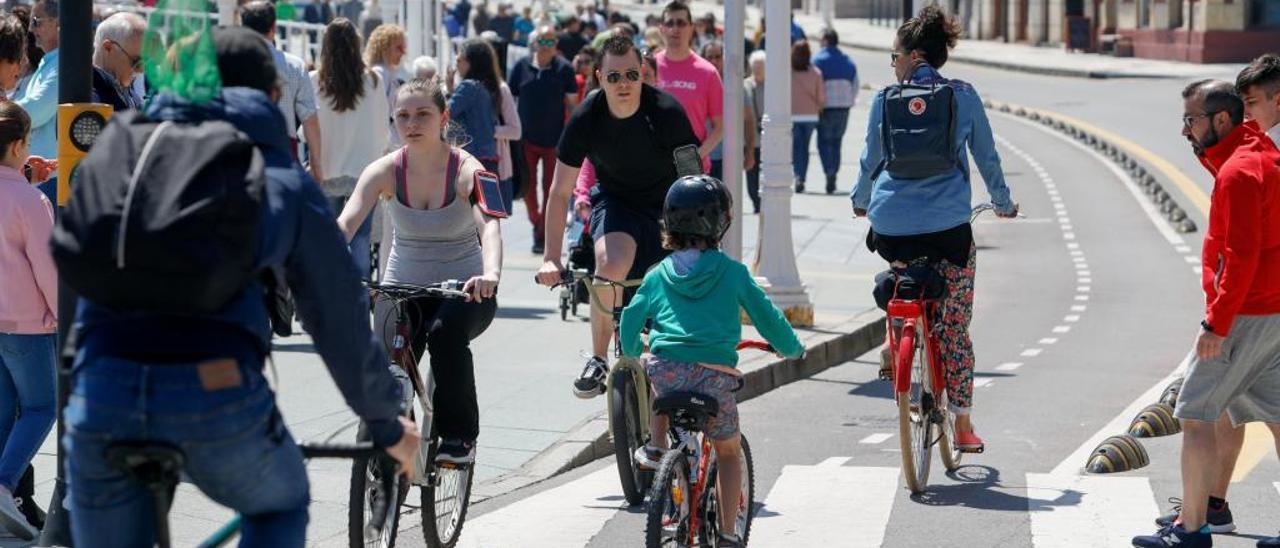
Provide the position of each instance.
(176, 214)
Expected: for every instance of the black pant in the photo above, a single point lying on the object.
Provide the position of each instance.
(445, 328)
(753, 183)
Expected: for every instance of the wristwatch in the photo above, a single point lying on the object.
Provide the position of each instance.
(1206, 326)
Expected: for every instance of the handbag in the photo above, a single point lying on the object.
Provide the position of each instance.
(519, 168)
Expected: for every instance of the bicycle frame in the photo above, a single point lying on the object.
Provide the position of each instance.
(913, 315)
(423, 386)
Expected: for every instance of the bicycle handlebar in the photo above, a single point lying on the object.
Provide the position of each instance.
(569, 277)
(379, 506)
(757, 345)
(450, 289)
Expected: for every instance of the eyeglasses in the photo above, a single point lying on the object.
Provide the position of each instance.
(546, 42)
(35, 21)
(710, 57)
(675, 23)
(135, 62)
(893, 57)
(1188, 119)
(614, 76)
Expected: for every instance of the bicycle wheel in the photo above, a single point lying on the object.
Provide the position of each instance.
(624, 422)
(667, 522)
(444, 500)
(745, 509)
(951, 455)
(366, 486)
(914, 409)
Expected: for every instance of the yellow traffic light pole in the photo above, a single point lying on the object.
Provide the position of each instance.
(78, 126)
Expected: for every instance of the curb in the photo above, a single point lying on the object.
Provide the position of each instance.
(1119, 154)
(1025, 68)
(589, 440)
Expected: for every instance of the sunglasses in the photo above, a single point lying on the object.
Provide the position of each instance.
(135, 62)
(677, 23)
(614, 76)
(546, 42)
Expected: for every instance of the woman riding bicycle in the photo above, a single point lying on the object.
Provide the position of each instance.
(916, 217)
(446, 227)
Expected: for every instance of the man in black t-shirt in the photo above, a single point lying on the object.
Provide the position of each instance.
(571, 40)
(629, 131)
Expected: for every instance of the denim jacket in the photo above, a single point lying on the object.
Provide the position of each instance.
(471, 106)
(921, 206)
(299, 237)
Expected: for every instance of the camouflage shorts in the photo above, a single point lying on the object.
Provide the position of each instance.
(675, 376)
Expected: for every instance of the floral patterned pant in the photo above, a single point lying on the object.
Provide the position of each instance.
(954, 346)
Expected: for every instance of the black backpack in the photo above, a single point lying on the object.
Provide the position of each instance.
(918, 127)
(164, 216)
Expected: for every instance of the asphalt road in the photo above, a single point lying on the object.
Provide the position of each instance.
(1067, 336)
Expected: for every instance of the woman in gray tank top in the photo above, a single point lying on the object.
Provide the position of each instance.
(443, 231)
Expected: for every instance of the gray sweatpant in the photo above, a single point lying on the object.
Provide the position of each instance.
(1244, 380)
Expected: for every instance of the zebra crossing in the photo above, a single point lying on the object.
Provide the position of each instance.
(831, 503)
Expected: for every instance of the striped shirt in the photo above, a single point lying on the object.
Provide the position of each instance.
(297, 96)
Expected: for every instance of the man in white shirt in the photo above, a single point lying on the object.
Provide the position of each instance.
(1259, 87)
(297, 96)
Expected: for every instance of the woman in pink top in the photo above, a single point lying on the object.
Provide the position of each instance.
(808, 95)
(28, 305)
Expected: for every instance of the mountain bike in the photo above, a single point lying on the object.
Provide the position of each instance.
(445, 487)
(627, 390)
(158, 466)
(919, 379)
(684, 503)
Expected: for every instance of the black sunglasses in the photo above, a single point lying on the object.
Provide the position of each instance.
(614, 76)
(135, 62)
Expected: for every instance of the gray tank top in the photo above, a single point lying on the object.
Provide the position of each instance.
(432, 245)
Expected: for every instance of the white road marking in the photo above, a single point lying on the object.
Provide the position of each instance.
(1082, 266)
(876, 438)
(1031, 352)
(568, 515)
(1067, 227)
(1070, 511)
(1083, 273)
(1008, 366)
(1082, 289)
(1182, 248)
(1077, 253)
(1073, 245)
(1082, 297)
(1071, 318)
(1068, 236)
(1062, 329)
(810, 506)
(1084, 280)
(1191, 259)
(982, 382)
(1049, 340)
(833, 462)
(1079, 308)
(1078, 260)
(1197, 270)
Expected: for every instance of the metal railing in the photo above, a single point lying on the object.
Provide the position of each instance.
(297, 38)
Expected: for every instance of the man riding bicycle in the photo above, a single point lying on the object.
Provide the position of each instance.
(927, 213)
(195, 381)
(630, 132)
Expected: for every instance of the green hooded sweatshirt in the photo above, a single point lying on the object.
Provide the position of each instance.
(696, 316)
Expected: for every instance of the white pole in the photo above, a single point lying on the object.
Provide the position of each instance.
(390, 16)
(226, 12)
(414, 27)
(735, 17)
(775, 264)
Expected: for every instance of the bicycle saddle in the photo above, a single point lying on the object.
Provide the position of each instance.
(687, 409)
(154, 464)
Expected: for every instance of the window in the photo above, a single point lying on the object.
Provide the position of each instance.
(1264, 14)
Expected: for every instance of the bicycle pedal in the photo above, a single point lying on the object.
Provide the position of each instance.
(973, 450)
(886, 374)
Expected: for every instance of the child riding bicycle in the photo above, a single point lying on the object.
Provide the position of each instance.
(693, 298)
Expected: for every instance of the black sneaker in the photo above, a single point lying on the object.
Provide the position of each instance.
(1174, 536)
(456, 451)
(799, 187)
(591, 382)
(1273, 542)
(728, 540)
(1218, 515)
(831, 184)
(32, 511)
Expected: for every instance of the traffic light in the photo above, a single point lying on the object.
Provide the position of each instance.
(78, 127)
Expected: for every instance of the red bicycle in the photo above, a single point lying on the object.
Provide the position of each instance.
(919, 380)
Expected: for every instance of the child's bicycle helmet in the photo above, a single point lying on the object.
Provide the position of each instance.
(698, 205)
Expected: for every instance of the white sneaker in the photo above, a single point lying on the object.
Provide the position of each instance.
(12, 519)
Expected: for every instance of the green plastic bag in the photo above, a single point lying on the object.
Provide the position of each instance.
(178, 53)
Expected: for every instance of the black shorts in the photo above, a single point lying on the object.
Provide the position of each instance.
(609, 215)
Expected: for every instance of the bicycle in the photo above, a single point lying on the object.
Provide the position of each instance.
(627, 390)
(445, 487)
(158, 466)
(684, 504)
(919, 381)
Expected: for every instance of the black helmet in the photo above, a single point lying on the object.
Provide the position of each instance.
(698, 205)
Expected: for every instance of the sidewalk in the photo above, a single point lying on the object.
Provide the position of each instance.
(862, 34)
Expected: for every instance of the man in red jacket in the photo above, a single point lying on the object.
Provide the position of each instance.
(1235, 367)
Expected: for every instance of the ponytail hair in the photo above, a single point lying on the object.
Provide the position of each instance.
(931, 31)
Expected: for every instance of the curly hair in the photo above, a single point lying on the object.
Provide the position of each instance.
(341, 72)
(381, 40)
(931, 31)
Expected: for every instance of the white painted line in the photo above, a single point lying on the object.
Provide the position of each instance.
(1083, 273)
(833, 462)
(1082, 297)
(1062, 329)
(1078, 308)
(1073, 245)
(1068, 236)
(1031, 352)
(876, 438)
(1070, 511)
(568, 515)
(1053, 191)
(1048, 340)
(1071, 318)
(1008, 366)
(809, 506)
(1153, 214)
(1055, 199)
(1084, 280)
(1082, 289)
(1182, 248)
(1078, 260)
(1197, 270)
(1059, 206)
(1048, 183)
(1191, 259)
(1120, 423)
(982, 382)
(1082, 266)
(1077, 253)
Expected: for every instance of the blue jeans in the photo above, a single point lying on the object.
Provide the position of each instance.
(237, 449)
(27, 400)
(801, 132)
(831, 125)
(359, 245)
